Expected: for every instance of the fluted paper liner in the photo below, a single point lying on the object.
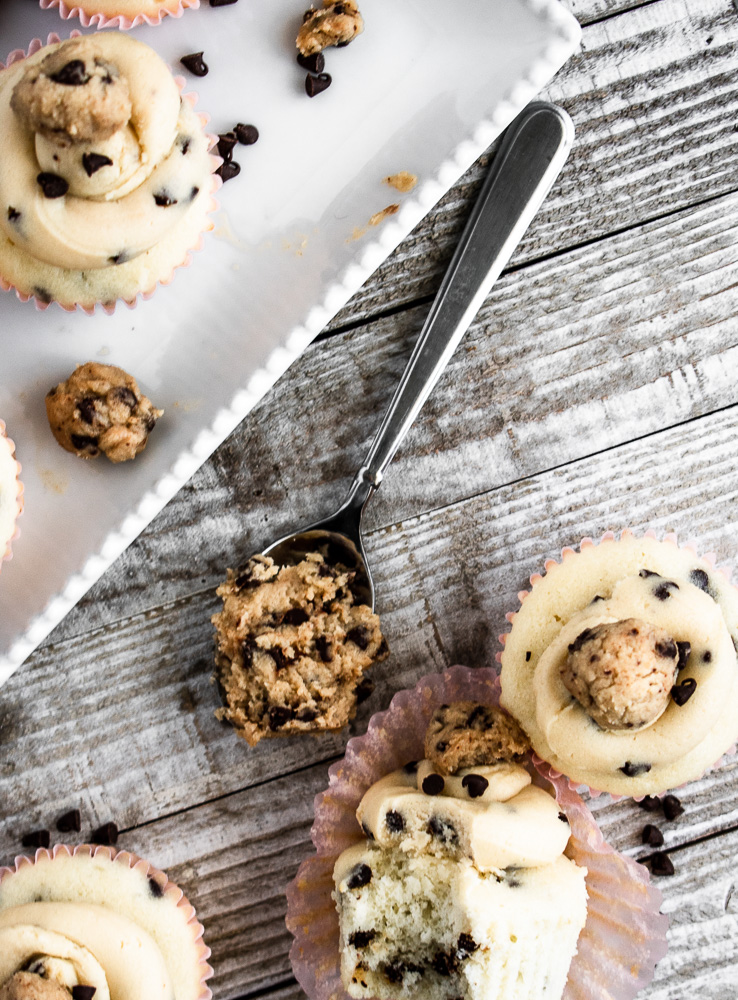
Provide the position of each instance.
(6, 552)
(169, 889)
(625, 934)
(566, 553)
(89, 17)
(146, 293)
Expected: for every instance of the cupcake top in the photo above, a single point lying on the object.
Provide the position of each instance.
(10, 491)
(83, 925)
(621, 665)
(99, 160)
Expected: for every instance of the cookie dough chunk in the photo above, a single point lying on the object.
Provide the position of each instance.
(465, 734)
(73, 95)
(336, 24)
(292, 646)
(27, 986)
(100, 409)
(622, 673)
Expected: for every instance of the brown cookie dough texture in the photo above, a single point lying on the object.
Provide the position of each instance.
(622, 673)
(100, 409)
(74, 95)
(335, 24)
(466, 734)
(292, 647)
(28, 986)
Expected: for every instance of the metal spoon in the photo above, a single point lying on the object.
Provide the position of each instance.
(531, 155)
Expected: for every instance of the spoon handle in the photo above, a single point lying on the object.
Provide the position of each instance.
(532, 153)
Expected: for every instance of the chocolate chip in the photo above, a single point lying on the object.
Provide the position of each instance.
(279, 715)
(43, 294)
(527, 656)
(307, 715)
(442, 830)
(92, 162)
(650, 803)
(563, 817)
(360, 876)
(313, 64)
(441, 746)
(119, 258)
(245, 580)
(13, 214)
(467, 944)
(36, 838)
(661, 864)
(681, 693)
(87, 411)
(194, 193)
(324, 570)
(360, 939)
(155, 889)
(411, 767)
(477, 718)
(83, 442)
(652, 836)
(52, 185)
(279, 658)
(633, 770)
(700, 579)
(105, 834)
(394, 821)
(227, 171)
(580, 640)
(82, 992)
(475, 785)
(433, 784)
(364, 689)
(195, 63)
(707, 656)
(596, 598)
(184, 142)
(295, 616)
(394, 972)
(222, 3)
(667, 649)
(662, 592)
(324, 648)
(73, 74)
(367, 832)
(684, 648)
(69, 822)
(444, 963)
(315, 85)
(360, 636)
(672, 807)
(164, 200)
(645, 573)
(247, 135)
(247, 651)
(226, 144)
(122, 394)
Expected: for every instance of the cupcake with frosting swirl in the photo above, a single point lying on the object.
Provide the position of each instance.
(106, 178)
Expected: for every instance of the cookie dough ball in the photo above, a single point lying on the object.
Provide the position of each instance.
(466, 734)
(622, 673)
(73, 95)
(336, 24)
(100, 409)
(27, 986)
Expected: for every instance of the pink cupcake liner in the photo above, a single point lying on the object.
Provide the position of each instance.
(174, 8)
(6, 553)
(109, 308)
(566, 553)
(169, 889)
(625, 934)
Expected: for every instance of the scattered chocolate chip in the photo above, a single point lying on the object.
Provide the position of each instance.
(73, 74)
(83, 442)
(315, 85)
(52, 185)
(563, 817)
(87, 411)
(673, 808)
(307, 715)
(360, 876)
(527, 656)
(82, 992)
(195, 63)
(247, 135)
(279, 658)
(13, 214)
(707, 656)
(444, 963)
(155, 889)
(105, 834)
(360, 636)
(227, 171)
(411, 767)
(36, 838)
(394, 821)
(645, 573)
(324, 648)
(164, 200)
(295, 616)
(313, 64)
(661, 864)
(279, 715)
(475, 784)
(443, 830)
(226, 144)
(681, 693)
(633, 770)
(69, 822)
(662, 592)
(652, 836)
(700, 579)
(433, 784)
(360, 939)
(92, 162)
(364, 689)
(650, 803)
(684, 648)
(467, 944)
(580, 640)
(667, 649)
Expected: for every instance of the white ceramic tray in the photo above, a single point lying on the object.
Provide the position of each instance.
(425, 89)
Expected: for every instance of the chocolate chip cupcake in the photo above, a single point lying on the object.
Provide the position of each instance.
(621, 664)
(106, 178)
(119, 13)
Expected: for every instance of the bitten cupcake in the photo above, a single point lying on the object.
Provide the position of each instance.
(84, 922)
(11, 494)
(119, 13)
(105, 175)
(621, 665)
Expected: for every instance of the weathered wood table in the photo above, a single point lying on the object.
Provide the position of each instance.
(596, 389)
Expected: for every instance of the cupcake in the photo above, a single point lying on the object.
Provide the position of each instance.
(105, 176)
(11, 494)
(621, 665)
(449, 866)
(83, 922)
(119, 13)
